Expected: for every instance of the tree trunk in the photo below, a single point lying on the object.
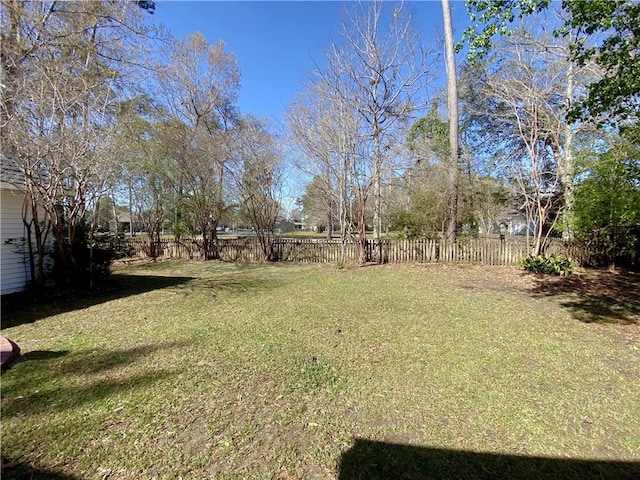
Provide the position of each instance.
(567, 170)
(30, 220)
(342, 207)
(344, 197)
(362, 231)
(329, 224)
(452, 102)
(377, 191)
(132, 231)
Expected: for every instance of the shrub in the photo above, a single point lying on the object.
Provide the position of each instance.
(607, 205)
(552, 265)
(92, 260)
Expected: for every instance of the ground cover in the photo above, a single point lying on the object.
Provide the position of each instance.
(209, 370)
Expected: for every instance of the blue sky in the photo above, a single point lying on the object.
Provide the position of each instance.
(276, 43)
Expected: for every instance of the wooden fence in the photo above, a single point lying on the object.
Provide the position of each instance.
(474, 251)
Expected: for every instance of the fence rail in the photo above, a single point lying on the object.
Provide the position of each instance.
(485, 251)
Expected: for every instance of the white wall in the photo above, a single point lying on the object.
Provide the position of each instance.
(14, 271)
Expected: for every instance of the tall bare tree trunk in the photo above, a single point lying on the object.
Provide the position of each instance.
(567, 167)
(343, 212)
(131, 227)
(329, 200)
(452, 102)
(344, 198)
(377, 191)
(362, 232)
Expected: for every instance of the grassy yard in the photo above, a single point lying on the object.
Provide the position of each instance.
(206, 370)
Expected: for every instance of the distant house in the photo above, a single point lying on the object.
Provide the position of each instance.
(15, 273)
(285, 226)
(518, 224)
(509, 223)
(122, 224)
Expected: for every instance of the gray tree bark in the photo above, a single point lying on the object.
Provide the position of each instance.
(452, 102)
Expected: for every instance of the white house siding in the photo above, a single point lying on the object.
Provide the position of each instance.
(14, 274)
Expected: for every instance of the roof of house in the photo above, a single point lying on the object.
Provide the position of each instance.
(124, 217)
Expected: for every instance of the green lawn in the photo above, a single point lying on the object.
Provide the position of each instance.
(207, 370)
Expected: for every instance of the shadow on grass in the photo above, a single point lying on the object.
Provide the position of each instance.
(99, 360)
(38, 355)
(48, 400)
(67, 380)
(34, 356)
(232, 285)
(595, 296)
(378, 460)
(20, 471)
(30, 306)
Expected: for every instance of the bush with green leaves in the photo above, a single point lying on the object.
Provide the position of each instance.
(607, 205)
(551, 265)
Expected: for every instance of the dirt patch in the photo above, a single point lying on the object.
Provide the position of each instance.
(473, 277)
(497, 279)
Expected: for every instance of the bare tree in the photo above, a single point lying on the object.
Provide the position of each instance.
(530, 84)
(259, 181)
(314, 129)
(198, 88)
(144, 174)
(555, 52)
(375, 73)
(526, 97)
(452, 103)
(65, 67)
(326, 133)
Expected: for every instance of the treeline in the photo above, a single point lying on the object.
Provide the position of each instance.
(103, 111)
(548, 130)
(101, 106)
